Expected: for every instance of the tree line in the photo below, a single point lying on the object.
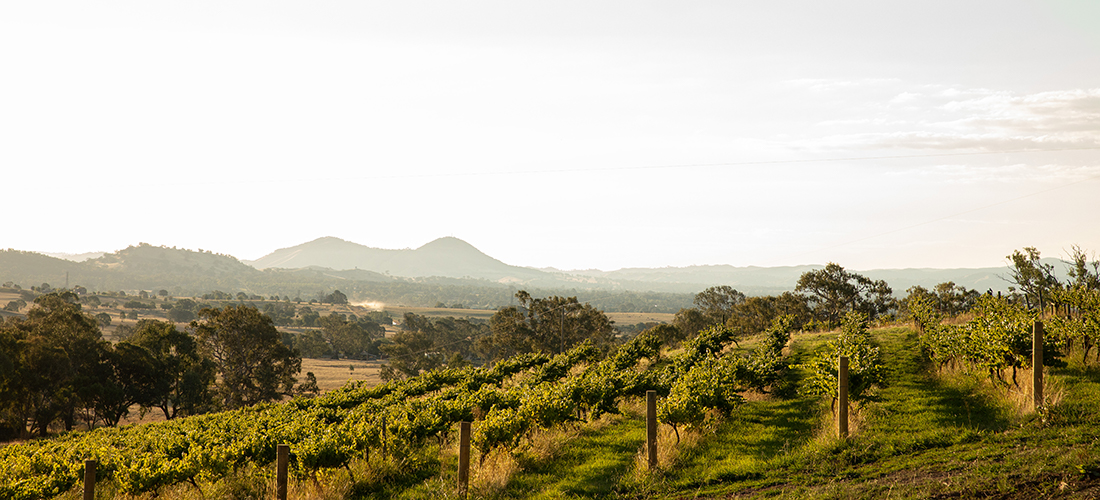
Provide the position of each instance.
(549, 325)
(56, 368)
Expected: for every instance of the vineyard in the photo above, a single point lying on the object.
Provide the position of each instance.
(746, 416)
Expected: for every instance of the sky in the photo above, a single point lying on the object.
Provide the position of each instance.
(566, 134)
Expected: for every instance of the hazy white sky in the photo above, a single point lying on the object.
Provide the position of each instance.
(567, 134)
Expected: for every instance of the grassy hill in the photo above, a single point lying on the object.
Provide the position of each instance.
(190, 273)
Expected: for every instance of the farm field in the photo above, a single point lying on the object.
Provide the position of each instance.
(334, 373)
(920, 435)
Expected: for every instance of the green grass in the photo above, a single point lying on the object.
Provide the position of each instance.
(591, 466)
(923, 435)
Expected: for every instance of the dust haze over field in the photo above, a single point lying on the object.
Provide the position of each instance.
(569, 135)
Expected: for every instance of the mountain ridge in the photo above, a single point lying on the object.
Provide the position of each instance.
(454, 258)
(446, 259)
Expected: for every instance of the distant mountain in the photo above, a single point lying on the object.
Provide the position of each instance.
(453, 258)
(779, 278)
(445, 257)
(181, 272)
(446, 270)
(76, 257)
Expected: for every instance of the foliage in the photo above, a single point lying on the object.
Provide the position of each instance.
(717, 303)
(703, 379)
(425, 343)
(253, 364)
(53, 360)
(834, 292)
(999, 337)
(1033, 277)
(15, 305)
(1080, 327)
(1083, 277)
(352, 338)
(757, 314)
(183, 377)
(548, 325)
(946, 298)
(865, 368)
(690, 322)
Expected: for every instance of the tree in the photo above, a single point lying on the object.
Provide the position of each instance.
(15, 305)
(1034, 278)
(253, 364)
(309, 388)
(336, 297)
(92, 300)
(952, 299)
(428, 343)
(835, 292)
(347, 337)
(757, 314)
(670, 335)
(184, 378)
(55, 356)
(551, 325)
(690, 321)
(103, 319)
(1082, 276)
(311, 344)
(127, 376)
(718, 302)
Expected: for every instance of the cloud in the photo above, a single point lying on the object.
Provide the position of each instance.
(982, 119)
(1036, 176)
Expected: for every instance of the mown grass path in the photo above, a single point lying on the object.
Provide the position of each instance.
(590, 466)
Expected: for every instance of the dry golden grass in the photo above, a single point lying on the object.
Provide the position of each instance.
(1022, 398)
(624, 318)
(490, 474)
(1018, 397)
(398, 312)
(334, 373)
(668, 450)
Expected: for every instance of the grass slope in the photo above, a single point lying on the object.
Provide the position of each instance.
(923, 436)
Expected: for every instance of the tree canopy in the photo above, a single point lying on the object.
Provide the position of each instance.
(834, 292)
(253, 363)
(551, 325)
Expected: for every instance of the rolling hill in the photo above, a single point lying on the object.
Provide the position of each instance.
(447, 270)
(445, 257)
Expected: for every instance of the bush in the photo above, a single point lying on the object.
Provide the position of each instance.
(865, 368)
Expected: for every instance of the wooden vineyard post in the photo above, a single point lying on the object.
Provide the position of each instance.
(89, 479)
(651, 427)
(1037, 362)
(282, 457)
(842, 396)
(463, 458)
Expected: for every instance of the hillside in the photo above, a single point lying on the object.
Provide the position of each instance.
(454, 258)
(445, 257)
(447, 270)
